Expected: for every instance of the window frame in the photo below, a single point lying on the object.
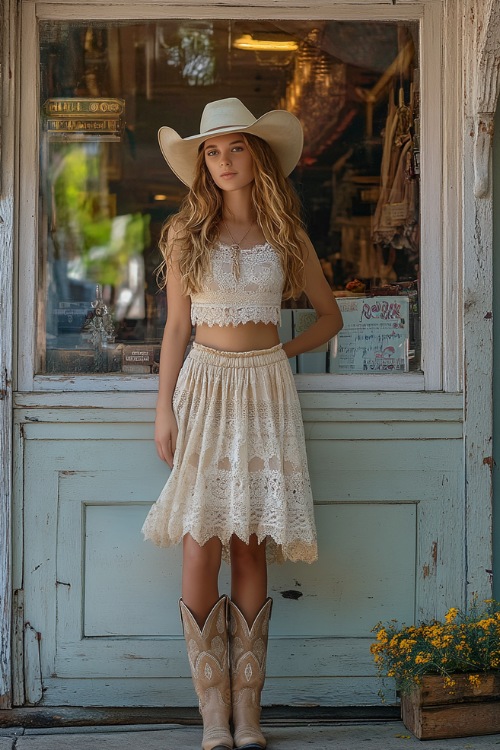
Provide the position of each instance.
(440, 294)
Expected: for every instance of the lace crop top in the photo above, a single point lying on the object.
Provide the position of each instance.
(242, 286)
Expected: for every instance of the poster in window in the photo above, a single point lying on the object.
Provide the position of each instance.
(375, 336)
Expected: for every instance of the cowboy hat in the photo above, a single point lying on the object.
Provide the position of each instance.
(279, 128)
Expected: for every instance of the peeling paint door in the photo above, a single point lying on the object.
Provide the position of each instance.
(101, 616)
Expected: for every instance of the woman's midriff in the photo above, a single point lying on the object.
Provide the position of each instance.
(243, 338)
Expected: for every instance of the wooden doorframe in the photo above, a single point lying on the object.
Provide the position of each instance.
(481, 85)
(8, 10)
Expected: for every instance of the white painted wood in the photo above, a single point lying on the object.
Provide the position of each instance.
(32, 664)
(360, 9)
(431, 285)
(8, 28)
(17, 576)
(178, 691)
(430, 14)
(323, 430)
(426, 404)
(452, 204)
(486, 90)
(320, 656)
(18, 697)
(377, 502)
(478, 301)
(412, 381)
(28, 198)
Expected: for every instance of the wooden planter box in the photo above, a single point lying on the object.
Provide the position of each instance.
(431, 712)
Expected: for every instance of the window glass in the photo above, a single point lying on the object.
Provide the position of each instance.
(105, 189)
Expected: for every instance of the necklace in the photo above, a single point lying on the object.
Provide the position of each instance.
(235, 249)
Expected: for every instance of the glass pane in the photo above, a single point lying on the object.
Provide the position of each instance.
(106, 88)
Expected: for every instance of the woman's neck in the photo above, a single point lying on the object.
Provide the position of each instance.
(237, 207)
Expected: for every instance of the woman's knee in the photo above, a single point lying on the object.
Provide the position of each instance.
(202, 559)
(248, 556)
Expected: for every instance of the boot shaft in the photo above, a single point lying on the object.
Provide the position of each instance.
(207, 649)
(248, 645)
(247, 654)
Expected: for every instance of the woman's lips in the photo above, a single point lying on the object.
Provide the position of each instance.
(228, 174)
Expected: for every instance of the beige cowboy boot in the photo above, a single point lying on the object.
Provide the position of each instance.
(247, 656)
(208, 658)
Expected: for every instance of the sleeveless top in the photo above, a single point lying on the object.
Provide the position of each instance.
(241, 287)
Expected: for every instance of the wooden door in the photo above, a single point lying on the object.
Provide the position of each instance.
(101, 616)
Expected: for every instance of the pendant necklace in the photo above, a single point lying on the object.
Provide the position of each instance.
(235, 249)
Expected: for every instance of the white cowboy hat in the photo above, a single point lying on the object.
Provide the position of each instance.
(279, 128)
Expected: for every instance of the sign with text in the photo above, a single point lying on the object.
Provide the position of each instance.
(84, 118)
(375, 336)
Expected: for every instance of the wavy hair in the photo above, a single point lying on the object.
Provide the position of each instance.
(196, 227)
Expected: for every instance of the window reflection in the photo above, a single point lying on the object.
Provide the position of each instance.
(105, 190)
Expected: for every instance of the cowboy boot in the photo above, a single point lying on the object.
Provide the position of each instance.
(247, 657)
(208, 658)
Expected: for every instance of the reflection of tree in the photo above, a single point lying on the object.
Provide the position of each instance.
(110, 244)
(99, 247)
(73, 170)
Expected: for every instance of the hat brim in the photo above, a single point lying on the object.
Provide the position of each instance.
(279, 128)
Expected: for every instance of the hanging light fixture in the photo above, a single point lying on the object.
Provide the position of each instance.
(248, 42)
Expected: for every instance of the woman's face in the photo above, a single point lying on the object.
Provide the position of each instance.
(229, 161)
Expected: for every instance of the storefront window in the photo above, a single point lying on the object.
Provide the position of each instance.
(105, 189)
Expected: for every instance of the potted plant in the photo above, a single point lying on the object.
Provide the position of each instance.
(447, 672)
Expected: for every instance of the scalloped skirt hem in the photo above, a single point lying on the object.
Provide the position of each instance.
(240, 466)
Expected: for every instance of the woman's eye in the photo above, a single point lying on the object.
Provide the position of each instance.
(211, 153)
(237, 148)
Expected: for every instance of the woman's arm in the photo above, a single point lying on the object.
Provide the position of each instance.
(175, 340)
(318, 291)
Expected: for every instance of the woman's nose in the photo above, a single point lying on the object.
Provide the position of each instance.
(225, 159)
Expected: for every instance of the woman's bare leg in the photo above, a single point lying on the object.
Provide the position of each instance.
(200, 576)
(248, 576)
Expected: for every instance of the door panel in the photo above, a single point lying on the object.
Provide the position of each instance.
(105, 601)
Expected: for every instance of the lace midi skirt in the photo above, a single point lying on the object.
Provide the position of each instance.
(240, 464)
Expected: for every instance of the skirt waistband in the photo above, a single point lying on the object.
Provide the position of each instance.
(255, 358)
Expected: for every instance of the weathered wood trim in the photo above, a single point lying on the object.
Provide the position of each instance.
(28, 198)
(452, 204)
(415, 406)
(18, 695)
(8, 10)
(431, 289)
(408, 382)
(486, 83)
(364, 9)
(93, 717)
(479, 23)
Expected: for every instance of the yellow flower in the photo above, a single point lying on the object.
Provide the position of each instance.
(382, 635)
(451, 615)
(485, 624)
(474, 680)
(422, 659)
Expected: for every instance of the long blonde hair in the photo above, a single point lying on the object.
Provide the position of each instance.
(196, 226)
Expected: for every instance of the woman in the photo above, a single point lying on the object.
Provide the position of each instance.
(228, 420)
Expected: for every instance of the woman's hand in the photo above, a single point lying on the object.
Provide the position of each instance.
(166, 435)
